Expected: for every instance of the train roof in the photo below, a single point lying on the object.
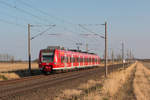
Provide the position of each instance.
(51, 48)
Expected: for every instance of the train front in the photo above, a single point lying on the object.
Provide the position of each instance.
(46, 60)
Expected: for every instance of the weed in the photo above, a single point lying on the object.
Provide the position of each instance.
(3, 77)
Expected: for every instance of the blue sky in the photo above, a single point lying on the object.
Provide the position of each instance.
(128, 21)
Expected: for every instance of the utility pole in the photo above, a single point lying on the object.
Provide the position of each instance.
(86, 47)
(112, 56)
(127, 56)
(29, 42)
(78, 45)
(29, 52)
(123, 54)
(106, 69)
(106, 40)
(130, 55)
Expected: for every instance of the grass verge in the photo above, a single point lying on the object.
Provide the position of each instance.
(2, 77)
(104, 89)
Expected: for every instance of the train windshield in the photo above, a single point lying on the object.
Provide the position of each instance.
(47, 56)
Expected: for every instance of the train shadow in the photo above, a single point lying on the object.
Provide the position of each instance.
(25, 72)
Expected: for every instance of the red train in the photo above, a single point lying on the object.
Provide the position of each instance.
(53, 58)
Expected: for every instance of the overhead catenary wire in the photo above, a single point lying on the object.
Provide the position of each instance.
(41, 33)
(49, 15)
(9, 22)
(17, 18)
(102, 35)
(45, 13)
(23, 11)
(35, 16)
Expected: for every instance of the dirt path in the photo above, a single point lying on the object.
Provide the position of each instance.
(137, 87)
(142, 82)
(126, 92)
(130, 84)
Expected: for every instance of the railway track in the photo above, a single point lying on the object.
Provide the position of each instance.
(13, 87)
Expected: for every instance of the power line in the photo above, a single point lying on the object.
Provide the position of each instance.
(45, 13)
(22, 10)
(88, 29)
(41, 33)
(37, 17)
(9, 22)
(16, 17)
(50, 15)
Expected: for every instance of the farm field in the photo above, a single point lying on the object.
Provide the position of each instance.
(17, 70)
(7, 67)
(132, 83)
(33, 86)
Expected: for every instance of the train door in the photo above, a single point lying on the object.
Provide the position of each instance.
(71, 60)
(65, 62)
(79, 61)
(83, 60)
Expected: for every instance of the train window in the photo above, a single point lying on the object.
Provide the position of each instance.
(62, 59)
(99, 60)
(81, 60)
(70, 59)
(73, 60)
(66, 59)
(93, 60)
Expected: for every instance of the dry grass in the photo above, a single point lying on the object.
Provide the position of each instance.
(142, 83)
(5, 67)
(111, 85)
(72, 94)
(89, 84)
(116, 80)
(14, 70)
(8, 76)
(110, 63)
(68, 93)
